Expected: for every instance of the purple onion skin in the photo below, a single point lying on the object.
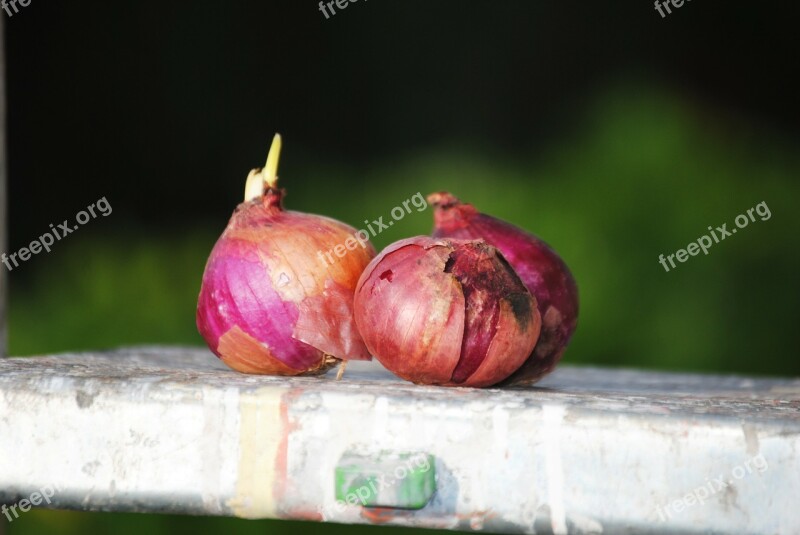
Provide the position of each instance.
(268, 304)
(446, 312)
(544, 273)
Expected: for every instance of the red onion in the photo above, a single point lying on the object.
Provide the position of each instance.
(269, 302)
(446, 312)
(540, 268)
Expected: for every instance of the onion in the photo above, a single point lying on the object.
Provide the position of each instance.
(446, 312)
(269, 303)
(544, 273)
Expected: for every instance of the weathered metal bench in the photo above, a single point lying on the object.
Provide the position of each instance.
(587, 450)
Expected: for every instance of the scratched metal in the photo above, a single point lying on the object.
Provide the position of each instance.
(587, 450)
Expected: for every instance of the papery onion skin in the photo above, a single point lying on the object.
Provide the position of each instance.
(446, 312)
(268, 304)
(541, 269)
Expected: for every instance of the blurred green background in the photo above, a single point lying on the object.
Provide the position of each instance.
(611, 133)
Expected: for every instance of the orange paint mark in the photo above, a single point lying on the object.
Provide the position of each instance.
(378, 515)
(282, 455)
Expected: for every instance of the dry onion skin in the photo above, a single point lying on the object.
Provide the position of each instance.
(446, 312)
(267, 304)
(541, 269)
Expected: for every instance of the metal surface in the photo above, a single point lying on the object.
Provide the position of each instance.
(586, 451)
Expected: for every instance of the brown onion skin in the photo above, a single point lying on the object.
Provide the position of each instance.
(446, 312)
(541, 269)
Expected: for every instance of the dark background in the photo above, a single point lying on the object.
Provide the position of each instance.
(614, 134)
(164, 107)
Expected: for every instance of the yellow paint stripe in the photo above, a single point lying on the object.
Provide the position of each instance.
(261, 430)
